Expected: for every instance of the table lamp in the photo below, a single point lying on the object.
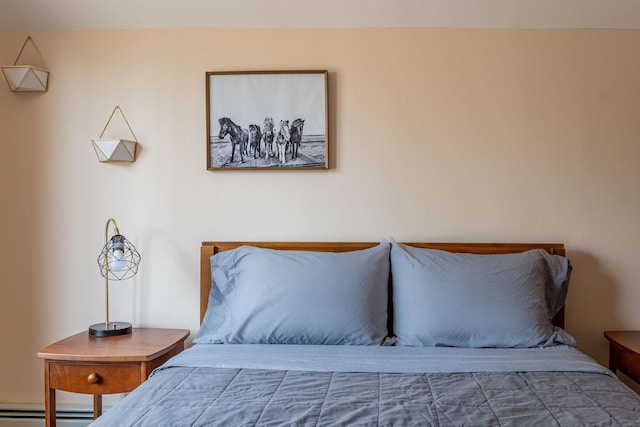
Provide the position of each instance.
(118, 260)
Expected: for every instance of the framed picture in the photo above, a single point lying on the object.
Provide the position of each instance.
(267, 119)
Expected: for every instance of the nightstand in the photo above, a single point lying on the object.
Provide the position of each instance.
(85, 364)
(624, 352)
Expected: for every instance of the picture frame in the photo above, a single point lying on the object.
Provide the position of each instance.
(267, 120)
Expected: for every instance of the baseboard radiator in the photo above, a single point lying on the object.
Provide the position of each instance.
(33, 416)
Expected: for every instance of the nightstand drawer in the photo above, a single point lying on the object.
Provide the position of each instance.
(94, 378)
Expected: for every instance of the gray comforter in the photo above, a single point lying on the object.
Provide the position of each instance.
(226, 385)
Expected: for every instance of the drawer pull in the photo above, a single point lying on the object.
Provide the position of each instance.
(93, 378)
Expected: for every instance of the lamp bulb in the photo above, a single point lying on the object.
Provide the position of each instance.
(117, 261)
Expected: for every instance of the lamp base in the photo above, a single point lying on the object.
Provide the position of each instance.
(111, 329)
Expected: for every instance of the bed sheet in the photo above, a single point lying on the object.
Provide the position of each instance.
(268, 385)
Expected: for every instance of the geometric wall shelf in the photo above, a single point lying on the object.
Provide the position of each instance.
(27, 78)
(115, 149)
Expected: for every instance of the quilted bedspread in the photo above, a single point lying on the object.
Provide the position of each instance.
(247, 396)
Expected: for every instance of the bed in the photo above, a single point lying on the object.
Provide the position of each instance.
(380, 333)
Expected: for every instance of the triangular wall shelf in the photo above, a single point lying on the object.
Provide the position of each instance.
(115, 149)
(27, 78)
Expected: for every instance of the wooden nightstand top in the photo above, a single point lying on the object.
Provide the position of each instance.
(627, 339)
(624, 352)
(142, 345)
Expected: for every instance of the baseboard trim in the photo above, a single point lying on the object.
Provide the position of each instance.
(33, 416)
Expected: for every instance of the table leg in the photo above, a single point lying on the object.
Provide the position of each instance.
(613, 358)
(97, 405)
(49, 399)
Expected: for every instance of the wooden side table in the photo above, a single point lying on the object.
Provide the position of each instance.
(624, 352)
(85, 364)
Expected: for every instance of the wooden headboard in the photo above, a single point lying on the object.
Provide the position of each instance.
(209, 249)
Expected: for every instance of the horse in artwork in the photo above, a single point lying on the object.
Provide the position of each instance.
(282, 139)
(255, 136)
(296, 136)
(268, 135)
(237, 135)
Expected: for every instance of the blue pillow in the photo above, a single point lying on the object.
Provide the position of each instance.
(442, 298)
(267, 296)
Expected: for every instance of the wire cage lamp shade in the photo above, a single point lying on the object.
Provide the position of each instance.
(118, 260)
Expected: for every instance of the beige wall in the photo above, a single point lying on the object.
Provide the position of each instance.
(436, 135)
